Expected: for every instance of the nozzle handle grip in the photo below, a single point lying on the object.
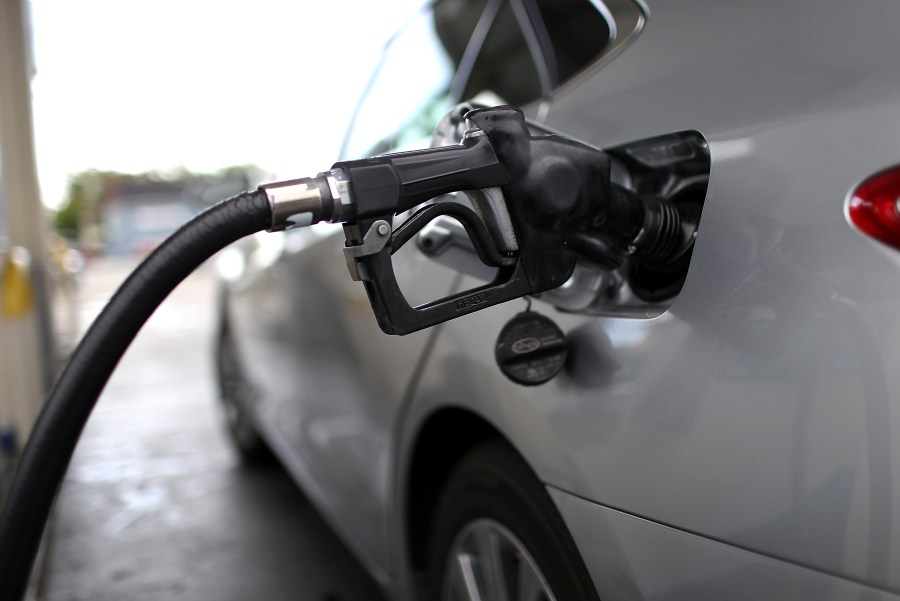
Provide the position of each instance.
(393, 183)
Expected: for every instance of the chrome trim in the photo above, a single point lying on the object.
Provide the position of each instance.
(296, 203)
(339, 184)
(610, 20)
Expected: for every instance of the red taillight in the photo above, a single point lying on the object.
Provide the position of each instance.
(874, 207)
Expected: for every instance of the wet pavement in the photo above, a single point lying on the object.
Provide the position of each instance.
(157, 505)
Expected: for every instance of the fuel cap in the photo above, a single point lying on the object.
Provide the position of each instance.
(531, 349)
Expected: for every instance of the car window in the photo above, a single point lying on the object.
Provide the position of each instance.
(536, 45)
(410, 89)
(579, 32)
(505, 65)
(490, 51)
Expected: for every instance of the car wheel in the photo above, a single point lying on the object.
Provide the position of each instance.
(497, 536)
(235, 395)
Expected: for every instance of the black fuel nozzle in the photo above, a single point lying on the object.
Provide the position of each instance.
(560, 196)
(545, 202)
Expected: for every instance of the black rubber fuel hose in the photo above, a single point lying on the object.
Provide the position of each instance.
(56, 431)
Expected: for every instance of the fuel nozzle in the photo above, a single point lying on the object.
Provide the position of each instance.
(564, 202)
(543, 203)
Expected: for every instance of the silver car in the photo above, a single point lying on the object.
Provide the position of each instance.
(724, 426)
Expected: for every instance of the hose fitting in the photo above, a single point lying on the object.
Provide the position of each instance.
(661, 237)
(308, 200)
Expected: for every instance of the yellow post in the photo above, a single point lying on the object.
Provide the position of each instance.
(21, 388)
(26, 342)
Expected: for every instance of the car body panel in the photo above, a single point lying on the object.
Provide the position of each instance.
(761, 408)
(632, 559)
(329, 385)
(759, 412)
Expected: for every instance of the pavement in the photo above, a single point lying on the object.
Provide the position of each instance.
(157, 504)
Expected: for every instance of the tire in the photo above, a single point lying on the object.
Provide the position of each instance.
(235, 395)
(494, 517)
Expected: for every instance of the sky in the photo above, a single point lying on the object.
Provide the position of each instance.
(157, 85)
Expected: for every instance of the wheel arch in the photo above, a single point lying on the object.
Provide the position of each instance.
(441, 441)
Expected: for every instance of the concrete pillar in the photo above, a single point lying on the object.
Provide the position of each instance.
(26, 346)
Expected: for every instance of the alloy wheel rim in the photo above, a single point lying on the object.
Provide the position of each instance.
(487, 562)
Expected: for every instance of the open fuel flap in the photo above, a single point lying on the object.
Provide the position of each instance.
(673, 168)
